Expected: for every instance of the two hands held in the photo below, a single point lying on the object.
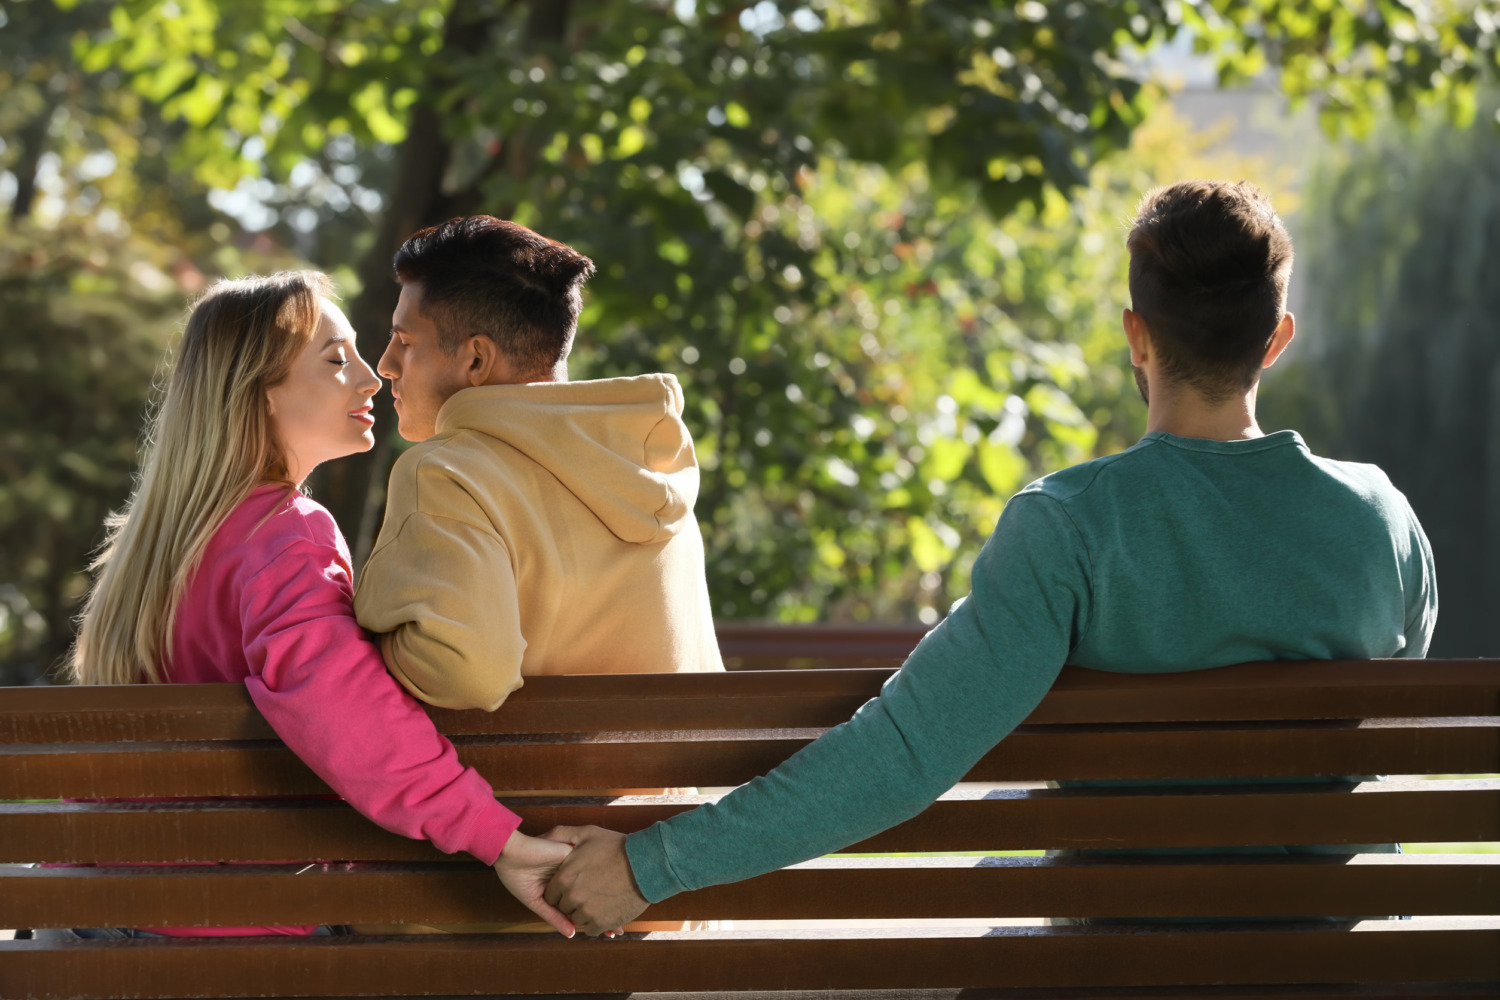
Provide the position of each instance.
(573, 876)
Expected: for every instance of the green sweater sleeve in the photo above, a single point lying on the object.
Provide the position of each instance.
(1419, 581)
(968, 683)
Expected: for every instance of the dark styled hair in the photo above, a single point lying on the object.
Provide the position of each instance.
(486, 276)
(1209, 263)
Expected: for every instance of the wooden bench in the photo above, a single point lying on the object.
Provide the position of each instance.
(756, 646)
(1308, 720)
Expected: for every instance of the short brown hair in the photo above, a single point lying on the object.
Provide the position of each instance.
(486, 276)
(1209, 264)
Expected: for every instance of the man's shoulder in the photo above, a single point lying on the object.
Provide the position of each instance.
(1362, 477)
(463, 475)
(1077, 481)
(454, 456)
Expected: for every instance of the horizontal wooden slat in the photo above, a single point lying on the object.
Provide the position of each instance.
(830, 889)
(789, 699)
(783, 647)
(736, 638)
(1366, 991)
(1004, 820)
(1391, 951)
(614, 760)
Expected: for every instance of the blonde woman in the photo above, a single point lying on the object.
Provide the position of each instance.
(219, 569)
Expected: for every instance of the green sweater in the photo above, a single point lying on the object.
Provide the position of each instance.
(1177, 554)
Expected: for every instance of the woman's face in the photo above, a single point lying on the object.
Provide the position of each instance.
(321, 410)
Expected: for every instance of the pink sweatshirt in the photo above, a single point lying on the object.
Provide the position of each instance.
(271, 605)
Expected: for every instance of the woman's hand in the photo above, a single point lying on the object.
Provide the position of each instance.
(525, 866)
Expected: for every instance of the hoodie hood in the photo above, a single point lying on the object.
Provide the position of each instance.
(619, 445)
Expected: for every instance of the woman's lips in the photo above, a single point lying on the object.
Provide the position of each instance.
(363, 416)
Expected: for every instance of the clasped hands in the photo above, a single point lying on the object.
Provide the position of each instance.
(573, 876)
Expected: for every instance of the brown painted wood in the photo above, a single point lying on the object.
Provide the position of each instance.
(829, 889)
(612, 760)
(1366, 991)
(1369, 991)
(1398, 811)
(1395, 951)
(788, 699)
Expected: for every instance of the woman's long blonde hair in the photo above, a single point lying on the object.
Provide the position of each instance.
(210, 443)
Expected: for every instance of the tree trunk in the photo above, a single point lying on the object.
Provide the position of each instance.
(354, 489)
(33, 140)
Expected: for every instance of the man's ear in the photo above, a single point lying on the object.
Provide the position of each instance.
(484, 360)
(1285, 331)
(1138, 337)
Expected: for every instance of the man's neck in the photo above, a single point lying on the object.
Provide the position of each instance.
(558, 373)
(1187, 414)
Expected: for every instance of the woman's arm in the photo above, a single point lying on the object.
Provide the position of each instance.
(323, 687)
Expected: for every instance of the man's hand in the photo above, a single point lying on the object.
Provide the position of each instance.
(524, 866)
(594, 885)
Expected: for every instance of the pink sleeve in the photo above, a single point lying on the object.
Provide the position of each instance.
(323, 687)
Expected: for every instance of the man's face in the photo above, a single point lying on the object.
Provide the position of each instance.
(422, 374)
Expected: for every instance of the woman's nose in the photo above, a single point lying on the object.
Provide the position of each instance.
(372, 381)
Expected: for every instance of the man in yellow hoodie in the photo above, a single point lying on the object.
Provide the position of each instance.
(540, 526)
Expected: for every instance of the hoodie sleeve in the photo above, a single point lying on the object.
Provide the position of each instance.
(442, 594)
(320, 684)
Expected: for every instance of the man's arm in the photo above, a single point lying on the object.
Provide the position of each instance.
(968, 684)
(1419, 580)
(442, 594)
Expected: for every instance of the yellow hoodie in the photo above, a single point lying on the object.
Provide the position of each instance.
(545, 528)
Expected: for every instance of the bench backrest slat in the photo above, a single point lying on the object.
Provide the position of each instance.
(908, 888)
(1409, 951)
(616, 760)
(1411, 811)
(773, 699)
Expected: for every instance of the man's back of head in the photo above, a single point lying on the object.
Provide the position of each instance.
(1209, 266)
(486, 276)
(483, 302)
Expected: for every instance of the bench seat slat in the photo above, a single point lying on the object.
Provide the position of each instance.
(1388, 951)
(832, 889)
(614, 760)
(1397, 811)
(780, 698)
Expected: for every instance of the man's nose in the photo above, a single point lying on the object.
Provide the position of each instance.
(386, 366)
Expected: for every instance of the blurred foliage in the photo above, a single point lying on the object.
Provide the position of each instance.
(83, 320)
(860, 441)
(1016, 95)
(105, 241)
(879, 242)
(792, 205)
(1399, 347)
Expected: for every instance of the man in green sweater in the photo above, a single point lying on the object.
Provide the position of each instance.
(1207, 543)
